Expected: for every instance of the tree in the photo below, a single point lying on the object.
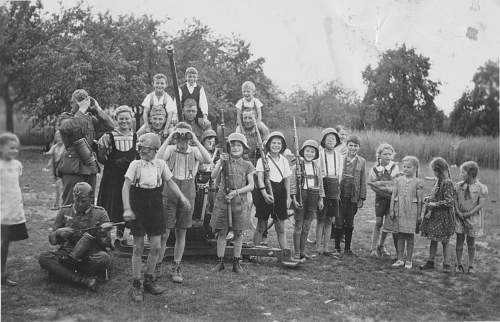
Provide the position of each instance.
(401, 92)
(115, 58)
(476, 112)
(21, 33)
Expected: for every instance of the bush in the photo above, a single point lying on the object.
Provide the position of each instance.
(484, 150)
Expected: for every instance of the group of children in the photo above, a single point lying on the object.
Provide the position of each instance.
(149, 181)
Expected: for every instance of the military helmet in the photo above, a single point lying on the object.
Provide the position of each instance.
(311, 143)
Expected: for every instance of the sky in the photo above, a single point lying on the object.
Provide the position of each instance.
(308, 42)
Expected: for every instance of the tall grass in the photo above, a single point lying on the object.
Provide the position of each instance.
(483, 150)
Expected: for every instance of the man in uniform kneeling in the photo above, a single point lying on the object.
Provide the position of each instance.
(83, 231)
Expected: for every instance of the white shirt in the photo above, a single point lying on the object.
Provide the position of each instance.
(255, 102)
(170, 106)
(203, 97)
(380, 168)
(309, 171)
(148, 173)
(11, 198)
(335, 163)
(274, 173)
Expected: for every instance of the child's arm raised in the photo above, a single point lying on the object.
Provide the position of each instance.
(204, 153)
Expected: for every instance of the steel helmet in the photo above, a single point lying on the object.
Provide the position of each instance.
(208, 134)
(311, 143)
(325, 132)
(238, 137)
(277, 134)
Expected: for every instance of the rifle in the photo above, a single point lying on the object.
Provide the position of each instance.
(170, 54)
(225, 171)
(265, 164)
(299, 166)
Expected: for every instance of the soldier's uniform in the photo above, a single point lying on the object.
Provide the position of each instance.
(72, 168)
(84, 253)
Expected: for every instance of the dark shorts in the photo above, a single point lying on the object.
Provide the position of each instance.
(382, 206)
(330, 210)
(147, 205)
(278, 209)
(14, 232)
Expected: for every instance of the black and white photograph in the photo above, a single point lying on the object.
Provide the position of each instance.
(263, 160)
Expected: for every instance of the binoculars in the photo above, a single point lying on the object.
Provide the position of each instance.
(185, 136)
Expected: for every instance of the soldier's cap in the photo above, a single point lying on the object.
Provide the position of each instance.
(79, 95)
(157, 110)
(208, 134)
(149, 140)
(276, 134)
(81, 190)
(311, 143)
(238, 137)
(325, 132)
(124, 109)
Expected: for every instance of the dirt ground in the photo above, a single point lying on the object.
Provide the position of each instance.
(353, 288)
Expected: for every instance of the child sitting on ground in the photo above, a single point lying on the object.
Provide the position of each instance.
(470, 198)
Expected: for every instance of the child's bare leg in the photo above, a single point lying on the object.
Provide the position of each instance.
(383, 236)
(320, 227)
(279, 226)
(297, 232)
(221, 243)
(445, 252)
(410, 243)
(154, 251)
(433, 250)
(137, 256)
(58, 192)
(261, 226)
(327, 231)
(400, 250)
(460, 248)
(163, 249)
(5, 251)
(376, 232)
(180, 243)
(237, 243)
(306, 226)
(471, 248)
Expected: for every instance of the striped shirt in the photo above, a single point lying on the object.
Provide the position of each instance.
(123, 142)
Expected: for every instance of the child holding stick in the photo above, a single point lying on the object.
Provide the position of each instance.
(240, 183)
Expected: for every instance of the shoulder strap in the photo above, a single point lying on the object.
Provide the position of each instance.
(277, 167)
(112, 140)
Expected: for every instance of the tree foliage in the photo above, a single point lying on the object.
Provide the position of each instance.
(476, 112)
(47, 57)
(401, 94)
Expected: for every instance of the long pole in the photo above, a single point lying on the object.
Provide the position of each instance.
(170, 54)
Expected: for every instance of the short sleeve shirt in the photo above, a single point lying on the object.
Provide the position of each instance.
(275, 175)
(170, 106)
(183, 165)
(148, 174)
(11, 199)
(243, 104)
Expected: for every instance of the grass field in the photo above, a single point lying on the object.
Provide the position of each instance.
(483, 150)
(354, 288)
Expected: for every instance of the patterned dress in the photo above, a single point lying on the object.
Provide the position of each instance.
(440, 226)
(468, 196)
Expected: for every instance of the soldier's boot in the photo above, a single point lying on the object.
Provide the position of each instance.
(65, 274)
(236, 265)
(150, 285)
(219, 266)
